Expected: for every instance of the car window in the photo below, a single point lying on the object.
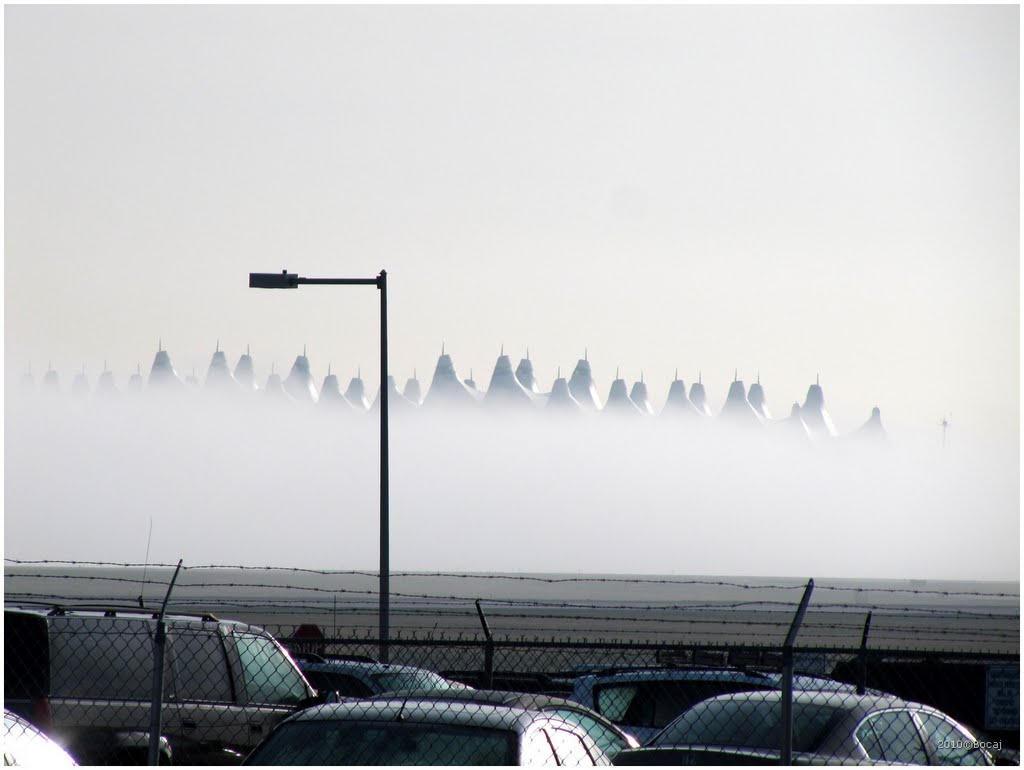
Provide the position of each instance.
(748, 723)
(98, 658)
(655, 704)
(569, 748)
(892, 736)
(327, 742)
(26, 656)
(952, 746)
(609, 741)
(270, 677)
(613, 700)
(200, 671)
(345, 684)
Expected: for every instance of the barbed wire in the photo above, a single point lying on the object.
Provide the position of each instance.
(798, 585)
(813, 624)
(753, 605)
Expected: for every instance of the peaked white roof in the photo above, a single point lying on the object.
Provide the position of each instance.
(446, 389)
(331, 395)
(524, 373)
(638, 395)
(162, 374)
(299, 384)
(412, 391)
(561, 399)
(245, 373)
(815, 415)
(872, 429)
(505, 389)
(218, 375)
(275, 389)
(757, 400)
(678, 402)
(618, 400)
(581, 386)
(736, 407)
(699, 398)
(356, 393)
(396, 401)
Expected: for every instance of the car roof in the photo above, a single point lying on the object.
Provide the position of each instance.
(423, 711)
(529, 700)
(743, 676)
(848, 701)
(52, 613)
(680, 674)
(357, 666)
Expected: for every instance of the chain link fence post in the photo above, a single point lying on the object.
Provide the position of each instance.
(786, 719)
(862, 662)
(488, 678)
(156, 707)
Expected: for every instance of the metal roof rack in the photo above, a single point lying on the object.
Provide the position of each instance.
(112, 611)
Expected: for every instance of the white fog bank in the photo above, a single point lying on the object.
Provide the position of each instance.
(265, 485)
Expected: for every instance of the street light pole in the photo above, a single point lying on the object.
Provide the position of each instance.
(286, 280)
(384, 588)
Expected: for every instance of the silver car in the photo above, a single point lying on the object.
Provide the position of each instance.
(24, 745)
(85, 676)
(828, 728)
(426, 732)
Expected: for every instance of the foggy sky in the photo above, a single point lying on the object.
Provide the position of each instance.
(784, 190)
(275, 484)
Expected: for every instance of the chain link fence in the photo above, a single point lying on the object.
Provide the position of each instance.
(769, 685)
(86, 678)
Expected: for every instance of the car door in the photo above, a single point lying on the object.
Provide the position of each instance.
(204, 712)
(270, 686)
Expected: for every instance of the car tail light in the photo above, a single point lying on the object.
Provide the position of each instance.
(42, 715)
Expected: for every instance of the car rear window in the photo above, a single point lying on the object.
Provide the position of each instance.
(745, 723)
(328, 742)
(411, 680)
(343, 684)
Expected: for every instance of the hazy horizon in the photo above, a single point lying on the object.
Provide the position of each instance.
(781, 192)
(786, 190)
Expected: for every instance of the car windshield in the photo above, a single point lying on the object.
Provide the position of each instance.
(411, 680)
(324, 742)
(746, 723)
(656, 703)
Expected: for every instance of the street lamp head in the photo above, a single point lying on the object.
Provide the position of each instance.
(282, 280)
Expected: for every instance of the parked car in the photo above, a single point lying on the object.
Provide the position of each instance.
(828, 728)
(643, 701)
(85, 677)
(364, 678)
(608, 737)
(27, 746)
(408, 731)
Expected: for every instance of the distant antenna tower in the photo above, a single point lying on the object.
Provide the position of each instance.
(945, 428)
